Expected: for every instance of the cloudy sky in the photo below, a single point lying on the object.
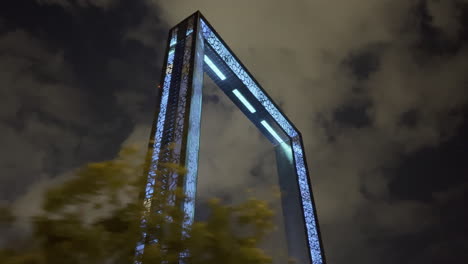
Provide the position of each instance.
(377, 88)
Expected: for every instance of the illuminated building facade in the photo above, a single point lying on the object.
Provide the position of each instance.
(194, 48)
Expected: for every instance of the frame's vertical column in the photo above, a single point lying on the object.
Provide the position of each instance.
(174, 138)
(154, 147)
(172, 142)
(194, 121)
(169, 140)
(308, 205)
(294, 224)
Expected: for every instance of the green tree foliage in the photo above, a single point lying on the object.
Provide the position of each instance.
(96, 217)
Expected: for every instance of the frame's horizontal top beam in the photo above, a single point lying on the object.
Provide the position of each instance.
(216, 43)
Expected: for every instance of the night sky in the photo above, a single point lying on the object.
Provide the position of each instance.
(378, 89)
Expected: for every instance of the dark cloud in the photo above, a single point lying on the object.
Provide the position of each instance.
(39, 112)
(65, 97)
(71, 4)
(354, 115)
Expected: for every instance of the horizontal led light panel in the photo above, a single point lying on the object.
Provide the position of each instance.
(271, 130)
(244, 101)
(214, 68)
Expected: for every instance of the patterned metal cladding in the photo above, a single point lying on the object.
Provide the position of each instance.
(171, 123)
(307, 203)
(161, 120)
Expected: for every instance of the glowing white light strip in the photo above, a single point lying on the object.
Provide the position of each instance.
(244, 101)
(286, 146)
(173, 42)
(272, 132)
(214, 68)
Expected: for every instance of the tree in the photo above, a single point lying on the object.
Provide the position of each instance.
(97, 216)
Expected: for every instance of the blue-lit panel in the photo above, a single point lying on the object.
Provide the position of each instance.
(149, 189)
(193, 140)
(160, 124)
(180, 125)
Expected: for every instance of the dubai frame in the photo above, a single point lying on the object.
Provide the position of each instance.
(194, 48)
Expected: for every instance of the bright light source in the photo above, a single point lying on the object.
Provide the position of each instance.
(244, 101)
(189, 31)
(214, 68)
(173, 42)
(287, 148)
(272, 132)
